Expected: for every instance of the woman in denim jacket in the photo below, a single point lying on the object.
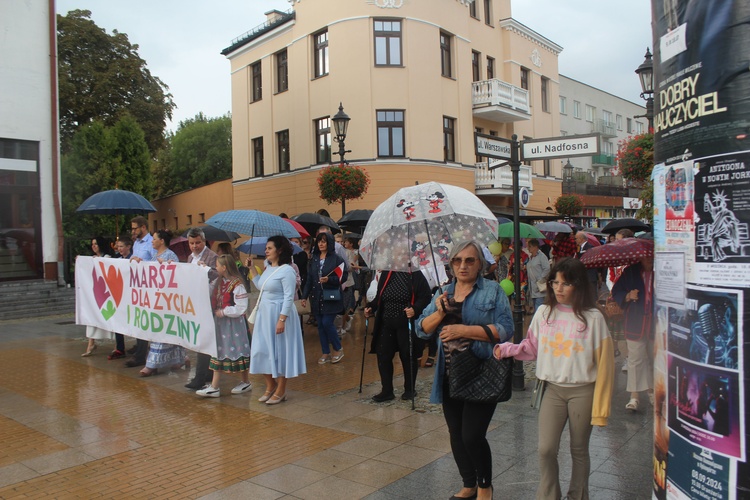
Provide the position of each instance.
(455, 316)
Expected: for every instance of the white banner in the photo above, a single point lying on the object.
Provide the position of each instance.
(167, 303)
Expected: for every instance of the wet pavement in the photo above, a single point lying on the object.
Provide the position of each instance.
(74, 427)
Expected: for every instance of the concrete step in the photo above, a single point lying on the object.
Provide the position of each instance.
(35, 298)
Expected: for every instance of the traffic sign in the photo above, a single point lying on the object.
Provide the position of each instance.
(560, 147)
(524, 196)
(492, 147)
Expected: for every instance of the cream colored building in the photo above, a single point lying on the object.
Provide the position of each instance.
(417, 78)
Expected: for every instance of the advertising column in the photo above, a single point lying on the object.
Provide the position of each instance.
(702, 242)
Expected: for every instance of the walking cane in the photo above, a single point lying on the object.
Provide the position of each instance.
(364, 353)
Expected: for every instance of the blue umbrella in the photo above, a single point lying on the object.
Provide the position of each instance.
(252, 222)
(257, 246)
(116, 202)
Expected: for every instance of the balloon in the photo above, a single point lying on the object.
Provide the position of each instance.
(495, 247)
(508, 287)
(258, 270)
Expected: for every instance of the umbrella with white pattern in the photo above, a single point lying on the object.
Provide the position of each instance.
(418, 223)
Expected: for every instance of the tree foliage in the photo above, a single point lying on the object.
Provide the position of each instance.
(199, 153)
(103, 158)
(569, 205)
(102, 77)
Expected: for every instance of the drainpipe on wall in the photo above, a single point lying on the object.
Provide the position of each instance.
(55, 125)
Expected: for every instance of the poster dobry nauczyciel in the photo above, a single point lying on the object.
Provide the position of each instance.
(701, 218)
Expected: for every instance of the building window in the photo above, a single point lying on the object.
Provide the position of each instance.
(545, 91)
(323, 140)
(618, 122)
(390, 123)
(607, 117)
(282, 72)
(524, 78)
(563, 105)
(190, 220)
(473, 10)
(155, 224)
(590, 112)
(445, 55)
(493, 133)
(449, 139)
(320, 54)
(487, 12)
(201, 217)
(387, 42)
(607, 148)
(547, 168)
(258, 157)
(630, 126)
(638, 128)
(576, 109)
(476, 72)
(490, 68)
(164, 223)
(257, 82)
(282, 141)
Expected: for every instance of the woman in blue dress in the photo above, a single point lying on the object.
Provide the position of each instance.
(161, 355)
(277, 350)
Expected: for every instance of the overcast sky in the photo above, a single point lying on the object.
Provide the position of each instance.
(603, 41)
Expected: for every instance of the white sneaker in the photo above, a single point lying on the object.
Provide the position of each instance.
(625, 366)
(208, 392)
(242, 388)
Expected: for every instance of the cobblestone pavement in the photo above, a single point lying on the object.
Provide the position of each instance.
(75, 427)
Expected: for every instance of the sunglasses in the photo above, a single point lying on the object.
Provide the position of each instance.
(469, 261)
(563, 284)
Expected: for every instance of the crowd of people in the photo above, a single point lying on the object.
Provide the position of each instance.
(448, 309)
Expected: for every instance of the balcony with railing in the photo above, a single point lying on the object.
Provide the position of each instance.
(500, 179)
(499, 101)
(607, 129)
(603, 160)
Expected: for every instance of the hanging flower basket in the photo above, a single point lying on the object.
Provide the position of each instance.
(635, 159)
(342, 182)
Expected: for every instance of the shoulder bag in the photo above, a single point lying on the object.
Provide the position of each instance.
(251, 318)
(302, 310)
(479, 380)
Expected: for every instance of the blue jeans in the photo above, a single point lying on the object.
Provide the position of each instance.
(327, 333)
(538, 303)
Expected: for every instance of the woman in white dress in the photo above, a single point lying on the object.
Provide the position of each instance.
(277, 350)
(100, 248)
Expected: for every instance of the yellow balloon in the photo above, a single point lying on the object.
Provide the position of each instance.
(495, 247)
(258, 270)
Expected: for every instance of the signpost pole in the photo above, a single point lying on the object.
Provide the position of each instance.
(515, 168)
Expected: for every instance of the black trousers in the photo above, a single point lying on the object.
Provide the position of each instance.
(467, 425)
(120, 342)
(141, 350)
(394, 338)
(202, 373)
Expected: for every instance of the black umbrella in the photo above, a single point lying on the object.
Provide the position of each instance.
(356, 219)
(116, 202)
(312, 221)
(634, 225)
(215, 234)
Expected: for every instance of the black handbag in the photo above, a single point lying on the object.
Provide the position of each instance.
(331, 294)
(479, 380)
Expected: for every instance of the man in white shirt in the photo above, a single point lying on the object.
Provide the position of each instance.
(201, 255)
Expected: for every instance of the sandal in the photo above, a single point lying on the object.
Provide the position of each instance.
(147, 372)
(324, 359)
(430, 362)
(632, 405)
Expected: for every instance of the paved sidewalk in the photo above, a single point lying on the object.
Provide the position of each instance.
(75, 427)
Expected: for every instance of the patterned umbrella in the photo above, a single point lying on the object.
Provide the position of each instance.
(252, 222)
(527, 231)
(592, 239)
(257, 246)
(417, 223)
(618, 253)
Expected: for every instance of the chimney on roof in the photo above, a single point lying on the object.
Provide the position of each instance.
(273, 15)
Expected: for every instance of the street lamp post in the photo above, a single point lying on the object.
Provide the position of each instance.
(645, 73)
(568, 177)
(340, 126)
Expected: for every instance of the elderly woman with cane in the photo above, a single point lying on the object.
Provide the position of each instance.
(466, 315)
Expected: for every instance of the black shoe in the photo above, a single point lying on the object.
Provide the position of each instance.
(132, 362)
(407, 395)
(131, 350)
(382, 397)
(194, 385)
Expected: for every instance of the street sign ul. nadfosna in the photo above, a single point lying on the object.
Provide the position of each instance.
(560, 147)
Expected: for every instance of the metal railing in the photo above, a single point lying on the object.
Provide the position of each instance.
(500, 178)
